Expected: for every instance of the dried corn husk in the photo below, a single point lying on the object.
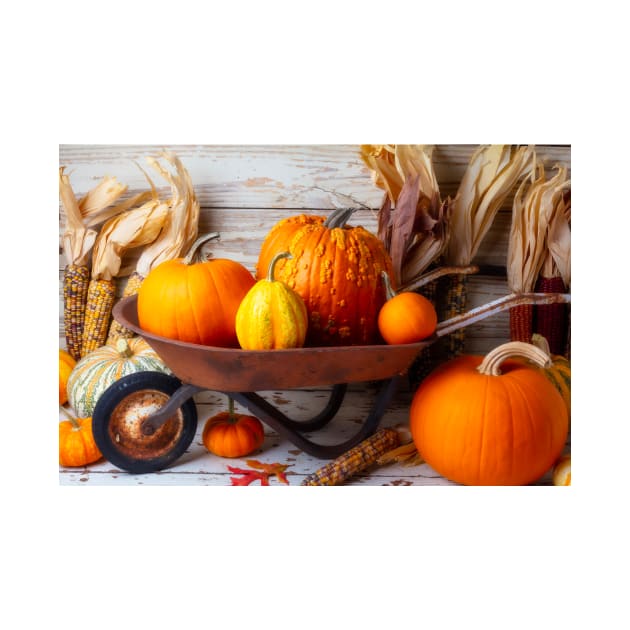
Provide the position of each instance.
(134, 228)
(413, 220)
(179, 231)
(491, 174)
(532, 211)
(181, 225)
(77, 242)
(551, 320)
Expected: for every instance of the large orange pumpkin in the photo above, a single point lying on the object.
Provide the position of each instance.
(492, 420)
(192, 300)
(335, 268)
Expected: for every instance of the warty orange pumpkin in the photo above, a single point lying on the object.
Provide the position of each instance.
(335, 268)
(193, 300)
(492, 420)
(406, 317)
(271, 315)
(230, 434)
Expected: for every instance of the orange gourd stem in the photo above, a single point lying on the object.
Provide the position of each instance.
(73, 421)
(193, 254)
(491, 364)
(389, 291)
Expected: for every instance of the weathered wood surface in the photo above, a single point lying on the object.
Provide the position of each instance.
(243, 191)
(199, 467)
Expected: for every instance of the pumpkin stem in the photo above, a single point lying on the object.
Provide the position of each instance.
(122, 347)
(193, 252)
(339, 217)
(541, 342)
(389, 291)
(232, 417)
(75, 425)
(272, 264)
(491, 364)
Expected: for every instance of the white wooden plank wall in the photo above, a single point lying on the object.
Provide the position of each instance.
(243, 191)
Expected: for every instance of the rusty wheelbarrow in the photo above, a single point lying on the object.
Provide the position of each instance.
(145, 421)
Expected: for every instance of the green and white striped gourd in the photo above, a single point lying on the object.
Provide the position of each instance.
(96, 371)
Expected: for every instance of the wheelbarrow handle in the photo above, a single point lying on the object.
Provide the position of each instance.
(497, 306)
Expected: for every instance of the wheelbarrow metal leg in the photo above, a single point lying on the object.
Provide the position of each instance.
(288, 428)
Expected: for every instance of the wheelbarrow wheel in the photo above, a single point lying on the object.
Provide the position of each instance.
(118, 416)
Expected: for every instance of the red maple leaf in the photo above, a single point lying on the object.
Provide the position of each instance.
(263, 472)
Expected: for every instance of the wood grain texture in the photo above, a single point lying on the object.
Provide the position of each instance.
(199, 467)
(243, 192)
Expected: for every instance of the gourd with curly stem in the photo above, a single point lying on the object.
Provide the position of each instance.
(492, 420)
(271, 315)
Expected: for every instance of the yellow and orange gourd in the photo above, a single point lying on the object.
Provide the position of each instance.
(335, 268)
(271, 316)
(492, 420)
(191, 300)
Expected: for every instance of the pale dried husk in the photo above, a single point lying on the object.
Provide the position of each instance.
(491, 174)
(532, 211)
(134, 228)
(558, 259)
(181, 224)
(413, 221)
(80, 216)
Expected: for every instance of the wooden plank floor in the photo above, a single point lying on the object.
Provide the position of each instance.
(198, 467)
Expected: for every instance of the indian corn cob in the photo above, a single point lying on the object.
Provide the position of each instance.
(117, 330)
(98, 309)
(78, 240)
(357, 459)
(76, 279)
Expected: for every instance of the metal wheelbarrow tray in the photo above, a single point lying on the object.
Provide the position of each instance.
(145, 421)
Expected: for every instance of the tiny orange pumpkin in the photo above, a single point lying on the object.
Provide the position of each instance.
(76, 442)
(230, 434)
(66, 365)
(406, 317)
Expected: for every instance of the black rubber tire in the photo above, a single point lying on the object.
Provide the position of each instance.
(133, 384)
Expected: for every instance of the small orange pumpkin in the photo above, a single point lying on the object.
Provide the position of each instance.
(492, 420)
(66, 365)
(76, 442)
(406, 317)
(192, 300)
(230, 434)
